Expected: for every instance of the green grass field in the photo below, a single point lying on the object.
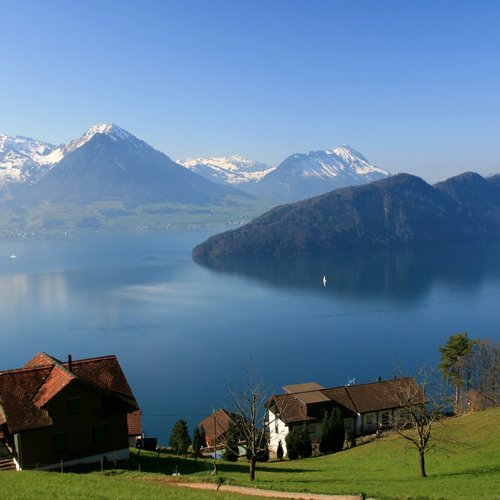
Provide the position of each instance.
(467, 466)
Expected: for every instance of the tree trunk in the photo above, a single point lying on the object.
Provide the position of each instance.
(253, 461)
(421, 460)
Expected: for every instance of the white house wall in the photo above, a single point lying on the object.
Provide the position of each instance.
(278, 431)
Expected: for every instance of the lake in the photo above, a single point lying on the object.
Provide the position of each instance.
(185, 331)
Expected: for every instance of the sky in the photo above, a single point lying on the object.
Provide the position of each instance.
(413, 85)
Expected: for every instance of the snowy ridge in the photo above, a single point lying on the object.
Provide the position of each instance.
(23, 159)
(343, 161)
(227, 170)
(26, 160)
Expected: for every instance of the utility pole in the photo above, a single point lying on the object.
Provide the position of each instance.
(214, 472)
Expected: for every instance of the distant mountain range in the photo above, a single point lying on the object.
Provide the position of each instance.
(299, 176)
(399, 210)
(107, 176)
(81, 171)
(232, 170)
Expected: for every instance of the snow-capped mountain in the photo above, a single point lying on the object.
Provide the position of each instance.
(114, 132)
(232, 170)
(106, 158)
(303, 175)
(23, 159)
(108, 163)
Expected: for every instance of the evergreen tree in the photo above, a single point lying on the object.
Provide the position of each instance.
(332, 433)
(231, 451)
(305, 445)
(199, 440)
(179, 439)
(292, 444)
(279, 451)
(455, 362)
(327, 434)
(338, 430)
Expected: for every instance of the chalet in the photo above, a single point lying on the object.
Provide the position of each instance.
(54, 412)
(365, 407)
(216, 427)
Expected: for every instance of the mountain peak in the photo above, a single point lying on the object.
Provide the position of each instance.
(114, 131)
(110, 129)
(347, 153)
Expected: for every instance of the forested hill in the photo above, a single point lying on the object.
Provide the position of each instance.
(399, 210)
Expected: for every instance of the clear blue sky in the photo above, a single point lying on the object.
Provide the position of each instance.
(413, 85)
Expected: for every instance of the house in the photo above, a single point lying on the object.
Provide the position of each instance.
(54, 412)
(216, 427)
(364, 407)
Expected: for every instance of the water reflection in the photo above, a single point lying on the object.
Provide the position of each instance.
(398, 274)
(51, 292)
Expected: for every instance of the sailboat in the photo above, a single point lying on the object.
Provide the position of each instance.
(324, 280)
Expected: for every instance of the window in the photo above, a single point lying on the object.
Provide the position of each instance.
(60, 442)
(74, 406)
(100, 433)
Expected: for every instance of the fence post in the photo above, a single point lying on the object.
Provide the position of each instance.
(102, 464)
(62, 468)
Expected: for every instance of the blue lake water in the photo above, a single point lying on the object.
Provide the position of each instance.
(184, 331)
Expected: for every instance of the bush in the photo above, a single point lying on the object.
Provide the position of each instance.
(292, 444)
(231, 451)
(332, 433)
(279, 451)
(305, 445)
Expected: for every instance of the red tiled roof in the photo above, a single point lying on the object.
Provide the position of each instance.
(134, 423)
(25, 392)
(55, 382)
(17, 390)
(104, 372)
(220, 421)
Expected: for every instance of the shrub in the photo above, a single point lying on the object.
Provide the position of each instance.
(305, 445)
(292, 444)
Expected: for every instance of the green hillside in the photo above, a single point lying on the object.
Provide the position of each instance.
(466, 465)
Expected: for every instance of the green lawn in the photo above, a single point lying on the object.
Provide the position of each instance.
(467, 466)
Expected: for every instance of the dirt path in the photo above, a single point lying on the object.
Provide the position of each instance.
(266, 493)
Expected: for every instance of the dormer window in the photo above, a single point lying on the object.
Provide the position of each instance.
(74, 406)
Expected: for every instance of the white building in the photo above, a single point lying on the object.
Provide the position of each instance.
(365, 408)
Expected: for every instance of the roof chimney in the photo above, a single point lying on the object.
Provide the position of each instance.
(70, 364)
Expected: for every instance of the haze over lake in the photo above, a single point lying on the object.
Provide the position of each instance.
(184, 331)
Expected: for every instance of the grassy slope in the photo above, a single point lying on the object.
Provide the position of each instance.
(382, 469)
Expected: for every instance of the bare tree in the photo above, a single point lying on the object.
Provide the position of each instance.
(419, 411)
(484, 388)
(249, 406)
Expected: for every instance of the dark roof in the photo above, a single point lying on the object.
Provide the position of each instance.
(341, 396)
(288, 408)
(352, 399)
(307, 386)
(25, 392)
(385, 395)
